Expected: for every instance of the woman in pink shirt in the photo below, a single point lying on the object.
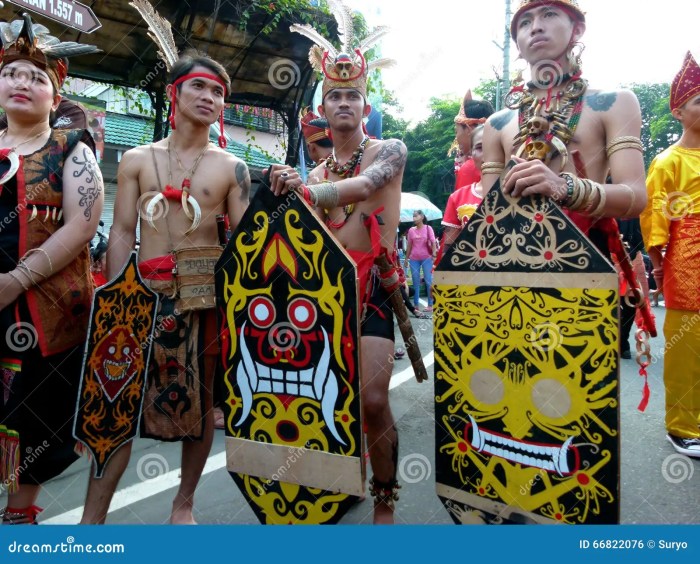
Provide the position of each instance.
(419, 254)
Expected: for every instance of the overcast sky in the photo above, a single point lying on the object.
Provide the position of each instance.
(447, 46)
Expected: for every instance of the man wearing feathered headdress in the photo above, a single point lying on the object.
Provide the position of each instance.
(51, 199)
(179, 186)
(357, 190)
(672, 220)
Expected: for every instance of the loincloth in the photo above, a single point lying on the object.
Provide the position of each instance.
(175, 384)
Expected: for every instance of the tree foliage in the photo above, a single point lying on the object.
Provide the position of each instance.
(488, 90)
(429, 169)
(659, 128)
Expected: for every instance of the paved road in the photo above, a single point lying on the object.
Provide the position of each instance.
(658, 486)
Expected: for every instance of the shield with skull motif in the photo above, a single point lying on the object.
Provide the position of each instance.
(117, 354)
(288, 311)
(526, 369)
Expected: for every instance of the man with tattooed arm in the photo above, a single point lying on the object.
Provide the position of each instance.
(357, 190)
(178, 186)
(51, 197)
(558, 114)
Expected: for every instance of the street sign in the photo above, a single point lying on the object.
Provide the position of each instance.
(69, 13)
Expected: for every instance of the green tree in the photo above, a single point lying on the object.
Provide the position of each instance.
(429, 169)
(488, 90)
(659, 128)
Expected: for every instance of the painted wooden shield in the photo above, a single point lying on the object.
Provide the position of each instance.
(288, 308)
(117, 353)
(526, 370)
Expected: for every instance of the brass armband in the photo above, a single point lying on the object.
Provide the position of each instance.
(625, 142)
(632, 203)
(492, 168)
(600, 190)
(324, 195)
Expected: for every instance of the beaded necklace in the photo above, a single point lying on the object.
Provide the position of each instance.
(343, 171)
(348, 170)
(547, 124)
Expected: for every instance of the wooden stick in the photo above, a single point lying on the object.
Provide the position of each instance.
(409, 337)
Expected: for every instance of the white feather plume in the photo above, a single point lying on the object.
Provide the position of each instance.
(315, 36)
(384, 63)
(346, 28)
(369, 41)
(159, 31)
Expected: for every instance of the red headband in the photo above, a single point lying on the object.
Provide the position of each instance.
(171, 117)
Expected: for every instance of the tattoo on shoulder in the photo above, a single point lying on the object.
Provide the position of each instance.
(389, 162)
(88, 164)
(243, 180)
(89, 173)
(500, 120)
(601, 101)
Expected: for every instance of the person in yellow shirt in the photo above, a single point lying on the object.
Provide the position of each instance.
(672, 220)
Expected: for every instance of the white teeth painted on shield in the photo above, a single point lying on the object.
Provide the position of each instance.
(320, 384)
(560, 459)
(263, 371)
(246, 380)
(321, 373)
(329, 389)
(551, 458)
(477, 439)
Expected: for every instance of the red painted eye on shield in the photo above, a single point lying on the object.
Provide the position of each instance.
(302, 314)
(261, 311)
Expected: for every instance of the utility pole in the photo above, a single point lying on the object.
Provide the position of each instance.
(506, 57)
(503, 82)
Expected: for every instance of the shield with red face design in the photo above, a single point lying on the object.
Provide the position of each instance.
(288, 312)
(526, 370)
(117, 353)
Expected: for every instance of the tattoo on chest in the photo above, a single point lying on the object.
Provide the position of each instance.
(601, 101)
(243, 180)
(499, 121)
